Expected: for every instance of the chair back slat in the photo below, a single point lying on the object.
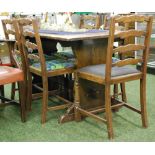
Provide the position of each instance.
(88, 17)
(34, 57)
(127, 48)
(130, 33)
(132, 18)
(9, 31)
(8, 21)
(29, 34)
(88, 27)
(31, 45)
(25, 22)
(124, 33)
(129, 61)
(17, 52)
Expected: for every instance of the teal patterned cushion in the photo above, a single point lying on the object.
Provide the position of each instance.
(55, 64)
(47, 58)
(64, 55)
(69, 55)
(55, 56)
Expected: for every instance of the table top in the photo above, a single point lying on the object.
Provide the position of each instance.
(73, 36)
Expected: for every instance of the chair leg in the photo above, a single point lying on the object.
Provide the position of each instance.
(115, 94)
(45, 100)
(13, 87)
(143, 102)
(22, 99)
(2, 92)
(108, 111)
(124, 98)
(66, 95)
(77, 99)
(70, 89)
(122, 86)
(29, 92)
(116, 90)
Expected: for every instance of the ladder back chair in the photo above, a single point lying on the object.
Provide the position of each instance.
(11, 29)
(10, 74)
(7, 33)
(18, 57)
(107, 19)
(90, 21)
(119, 71)
(37, 64)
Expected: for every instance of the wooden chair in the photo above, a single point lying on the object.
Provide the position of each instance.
(11, 29)
(118, 72)
(9, 25)
(90, 21)
(93, 22)
(10, 75)
(116, 92)
(36, 64)
(106, 21)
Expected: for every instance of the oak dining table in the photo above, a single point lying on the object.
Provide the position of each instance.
(89, 48)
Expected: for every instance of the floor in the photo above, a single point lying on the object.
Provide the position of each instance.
(126, 124)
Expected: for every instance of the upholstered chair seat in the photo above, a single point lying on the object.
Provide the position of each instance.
(10, 75)
(99, 70)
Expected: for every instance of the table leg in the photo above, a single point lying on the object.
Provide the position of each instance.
(68, 116)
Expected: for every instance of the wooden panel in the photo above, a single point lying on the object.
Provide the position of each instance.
(99, 51)
(91, 94)
(92, 52)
